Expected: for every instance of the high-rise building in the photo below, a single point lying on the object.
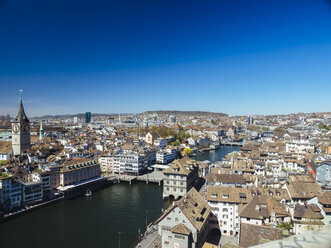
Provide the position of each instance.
(2, 118)
(250, 120)
(87, 117)
(20, 131)
(8, 118)
(75, 119)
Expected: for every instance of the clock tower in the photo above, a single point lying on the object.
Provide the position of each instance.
(20, 131)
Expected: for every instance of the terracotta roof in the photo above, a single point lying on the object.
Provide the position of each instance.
(209, 245)
(181, 166)
(194, 207)
(181, 229)
(304, 190)
(228, 194)
(263, 206)
(75, 164)
(251, 235)
(325, 198)
(307, 211)
(5, 147)
(225, 178)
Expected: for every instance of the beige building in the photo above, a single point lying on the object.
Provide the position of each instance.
(79, 170)
(151, 137)
(180, 177)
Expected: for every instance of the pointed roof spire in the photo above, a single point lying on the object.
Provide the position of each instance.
(41, 125)
(21, 116)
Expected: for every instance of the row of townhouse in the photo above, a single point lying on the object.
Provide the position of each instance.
(300, 147)
(15, 194)
(227, 204)
(40, 185)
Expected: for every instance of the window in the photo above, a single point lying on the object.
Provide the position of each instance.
(179, 237)
(168, 218)
(225, 210)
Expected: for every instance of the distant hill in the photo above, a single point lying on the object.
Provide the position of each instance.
(178, 112)
(79, 115)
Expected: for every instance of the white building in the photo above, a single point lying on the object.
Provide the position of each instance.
(301, 147)
(166, 155)
(32, 192)
(10, 192)
(6, 150)
(224, 202)
(106, 164)
(132, 163)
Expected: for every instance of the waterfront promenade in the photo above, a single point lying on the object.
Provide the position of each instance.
(151, 239)
(151, 177)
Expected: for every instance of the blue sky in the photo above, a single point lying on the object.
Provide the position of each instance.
(234, 56)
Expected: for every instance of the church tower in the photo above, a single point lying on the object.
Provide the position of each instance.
(41, 131)
(20, 131)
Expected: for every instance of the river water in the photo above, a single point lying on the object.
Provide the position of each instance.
(95, 221)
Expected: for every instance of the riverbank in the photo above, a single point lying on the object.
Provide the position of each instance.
(29, 209)
(66, 194)
(89, 221)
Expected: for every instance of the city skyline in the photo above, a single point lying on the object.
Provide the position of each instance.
(123, 57)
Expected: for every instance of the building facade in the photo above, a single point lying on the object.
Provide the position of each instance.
(180, 177)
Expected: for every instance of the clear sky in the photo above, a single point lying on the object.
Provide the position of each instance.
(231, 56)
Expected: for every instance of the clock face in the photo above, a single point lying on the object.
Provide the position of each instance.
(25, 128)
(16, 128)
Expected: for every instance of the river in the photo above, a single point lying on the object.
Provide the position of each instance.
(95, 221)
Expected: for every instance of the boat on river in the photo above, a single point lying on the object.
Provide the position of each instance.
(88, 193)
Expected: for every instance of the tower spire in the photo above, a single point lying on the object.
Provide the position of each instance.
(21, 116)
(41, 131)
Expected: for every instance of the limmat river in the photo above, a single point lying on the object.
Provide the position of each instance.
(216, 155)
(95, 221)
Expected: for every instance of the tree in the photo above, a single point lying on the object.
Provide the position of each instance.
(265, 129)
(279, 129)
(187, 152)
(153, 129)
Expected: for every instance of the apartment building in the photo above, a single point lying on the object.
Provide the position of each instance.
(132, 163)
(180, 177)
(10, 192)
(75, 171)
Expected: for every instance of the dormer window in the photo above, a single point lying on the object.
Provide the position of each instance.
(242, 195)
(225, 196)
(214, 195)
